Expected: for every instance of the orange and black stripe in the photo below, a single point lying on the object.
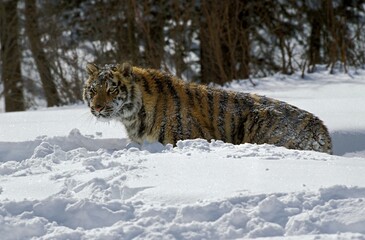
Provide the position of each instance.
(166, 109)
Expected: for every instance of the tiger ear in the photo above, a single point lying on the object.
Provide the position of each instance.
(125, 69)
(91, 68)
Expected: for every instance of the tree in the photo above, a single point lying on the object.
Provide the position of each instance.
(127, 44)
(315, 22)
(151, 20)
(201, 40)
(224, 41)
(39, 55)
(11, 57)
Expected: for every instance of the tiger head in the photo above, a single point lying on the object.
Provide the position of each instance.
(110, 91)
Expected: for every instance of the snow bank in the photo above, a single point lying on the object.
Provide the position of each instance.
(44, 145)
(68, 188)
(254, 216)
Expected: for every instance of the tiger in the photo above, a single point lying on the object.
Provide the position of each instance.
(155, 106)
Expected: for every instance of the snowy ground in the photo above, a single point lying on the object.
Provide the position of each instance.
(65, 176)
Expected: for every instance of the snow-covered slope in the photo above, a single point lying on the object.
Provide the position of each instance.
(64, 176)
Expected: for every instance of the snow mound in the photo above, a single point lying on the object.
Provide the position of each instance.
(77, 187)
(44, 145)
(242, 216)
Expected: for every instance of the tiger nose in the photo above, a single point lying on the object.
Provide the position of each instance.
(98, 108)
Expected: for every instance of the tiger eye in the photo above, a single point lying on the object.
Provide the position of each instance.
(93, 90)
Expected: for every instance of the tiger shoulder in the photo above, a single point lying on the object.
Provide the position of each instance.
(156, 106)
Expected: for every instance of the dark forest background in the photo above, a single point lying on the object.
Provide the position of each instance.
(45, 45)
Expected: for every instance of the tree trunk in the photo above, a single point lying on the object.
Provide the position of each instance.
(39, 55)
(332, 44)
(10, 57)
(224, 41)
(211, 56)
(152, 22)
(245, 47)
(127, 43)
(314, 39)
(132, 41)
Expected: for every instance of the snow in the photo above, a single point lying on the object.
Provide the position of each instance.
(65, 176)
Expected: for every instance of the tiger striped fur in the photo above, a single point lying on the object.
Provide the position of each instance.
(155, 106)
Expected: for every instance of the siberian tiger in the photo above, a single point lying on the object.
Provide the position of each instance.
(155, 106)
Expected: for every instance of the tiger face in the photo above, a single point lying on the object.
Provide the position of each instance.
(110, 90)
